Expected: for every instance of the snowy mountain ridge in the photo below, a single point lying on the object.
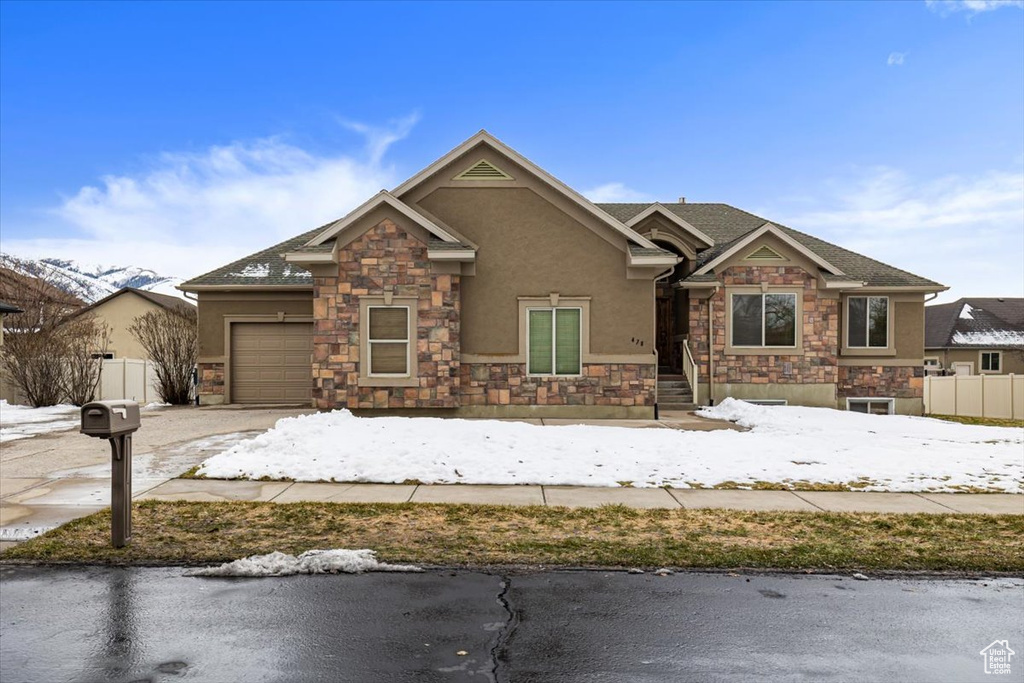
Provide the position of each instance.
(91, 282)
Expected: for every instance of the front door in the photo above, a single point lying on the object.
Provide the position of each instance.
(665, 332)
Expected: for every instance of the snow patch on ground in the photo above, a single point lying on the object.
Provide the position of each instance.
(784, 444)
(338, 561)
(23, 422)
(15, 533)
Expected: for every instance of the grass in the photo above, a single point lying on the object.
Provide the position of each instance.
(479, 535)
(985, 421)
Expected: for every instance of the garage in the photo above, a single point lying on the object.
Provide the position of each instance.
(271, 362)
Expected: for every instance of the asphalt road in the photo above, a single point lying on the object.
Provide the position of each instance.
(98, 624)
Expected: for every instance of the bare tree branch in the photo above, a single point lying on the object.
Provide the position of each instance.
(171, 340)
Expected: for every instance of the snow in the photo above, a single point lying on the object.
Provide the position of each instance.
(24, 422)
(91, 282)
(253, 270)
(338, 561)
(295, 272)
(784, 444)
(990, 338)
(965, 312)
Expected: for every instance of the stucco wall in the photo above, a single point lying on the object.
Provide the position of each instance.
(214, 306)
(530, 247)
(118, 314)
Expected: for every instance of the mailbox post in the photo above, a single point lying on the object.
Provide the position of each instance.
(116, 421)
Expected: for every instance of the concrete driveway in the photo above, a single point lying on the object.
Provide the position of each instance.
(53, 478)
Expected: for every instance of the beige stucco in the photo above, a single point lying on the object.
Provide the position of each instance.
(1012, 359)
(531, 247)
(118, 313)
(214, 307)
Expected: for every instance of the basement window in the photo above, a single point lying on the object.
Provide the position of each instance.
(871, 406)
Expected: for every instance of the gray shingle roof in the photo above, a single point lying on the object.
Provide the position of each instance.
(975, 323)
(637, 250)
(434, 243)
(266, 267)
(725, 224)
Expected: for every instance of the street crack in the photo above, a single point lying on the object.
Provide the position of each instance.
(511, 622)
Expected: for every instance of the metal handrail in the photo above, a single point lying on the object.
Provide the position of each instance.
(690, 370)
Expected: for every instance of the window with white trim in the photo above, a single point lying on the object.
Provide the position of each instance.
(554, 337)
(764, 319)
(867, 322)
(388, 341)
(870, 406)
(931, 361)
(991, 361)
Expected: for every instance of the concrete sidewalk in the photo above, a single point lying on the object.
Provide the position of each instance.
(584, 496)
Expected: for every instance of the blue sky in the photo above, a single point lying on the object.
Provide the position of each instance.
(179, 136)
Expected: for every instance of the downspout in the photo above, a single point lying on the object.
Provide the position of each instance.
(711, 347)
(190, 298)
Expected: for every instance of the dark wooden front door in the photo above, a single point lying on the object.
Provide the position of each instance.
(665, 332)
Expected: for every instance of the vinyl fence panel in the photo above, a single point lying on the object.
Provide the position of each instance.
(995, 396)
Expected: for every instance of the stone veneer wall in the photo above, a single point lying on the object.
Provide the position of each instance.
(820, 320)
(881, 381)
(211, 380)
(505, 384)
(385, 258)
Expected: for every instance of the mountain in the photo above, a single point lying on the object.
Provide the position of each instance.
(91, 282)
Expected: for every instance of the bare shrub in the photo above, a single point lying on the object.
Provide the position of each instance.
(85, 340)
(171, 340)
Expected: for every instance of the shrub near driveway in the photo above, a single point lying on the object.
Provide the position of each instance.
(611, 536)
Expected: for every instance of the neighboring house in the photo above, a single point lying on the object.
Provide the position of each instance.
(483, 286)
(974, 336)
(120, 309)
(5, 310)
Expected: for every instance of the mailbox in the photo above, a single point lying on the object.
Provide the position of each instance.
(116, 421)
(107, 419)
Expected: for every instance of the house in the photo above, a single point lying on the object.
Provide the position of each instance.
(36, 296)
(484, 286)
(5, 310)
(975, 336)
(118, 310)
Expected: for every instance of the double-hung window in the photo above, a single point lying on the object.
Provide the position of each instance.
(867, 324)
(554, 341)
(388, 341)
(764, 320)
(990, 361)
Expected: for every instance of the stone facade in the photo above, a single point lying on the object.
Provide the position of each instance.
(820, 328)
(385, 261)
(881, 381)
(507, 384)
(211, 381)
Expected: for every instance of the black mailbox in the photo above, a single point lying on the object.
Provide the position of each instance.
(106, 419)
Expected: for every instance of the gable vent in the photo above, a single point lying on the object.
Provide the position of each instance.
(765, 253)
(483, 170)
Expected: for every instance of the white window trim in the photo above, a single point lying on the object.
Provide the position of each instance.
(867, 323)
(554, 341)
(370, 342)
(981, 362)
(873, 399)
(797, 321)
(936, 364)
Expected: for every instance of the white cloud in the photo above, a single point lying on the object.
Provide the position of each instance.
(615, 192)
(189, 212)
(896, 58)
(972, 7)
(965, 232)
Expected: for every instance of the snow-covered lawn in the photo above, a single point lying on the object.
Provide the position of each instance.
(24, 422)
(784, 444)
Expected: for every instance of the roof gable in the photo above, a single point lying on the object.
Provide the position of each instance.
(659, 209)
(165, 301)
(335, 229)
(738, 246)
(485, 138)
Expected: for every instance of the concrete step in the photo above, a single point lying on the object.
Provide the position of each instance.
(676, 398)
(675, 406)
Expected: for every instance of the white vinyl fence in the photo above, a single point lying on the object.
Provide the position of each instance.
(999, 396)
(128, 378)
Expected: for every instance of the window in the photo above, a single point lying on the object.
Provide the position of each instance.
(931, 362)
(870, 406)
(867, 322)
(764, 319)
(107, 355)
(388, 341)
(767, 401)
(554, 341)
(991, 361)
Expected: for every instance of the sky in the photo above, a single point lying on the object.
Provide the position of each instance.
(181, 136)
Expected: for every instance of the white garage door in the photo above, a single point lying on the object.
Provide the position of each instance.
(271, 362)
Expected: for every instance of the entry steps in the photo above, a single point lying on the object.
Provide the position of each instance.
(674, 392)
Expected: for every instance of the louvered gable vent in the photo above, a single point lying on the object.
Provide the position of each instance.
(765, 253)
(483, 170)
